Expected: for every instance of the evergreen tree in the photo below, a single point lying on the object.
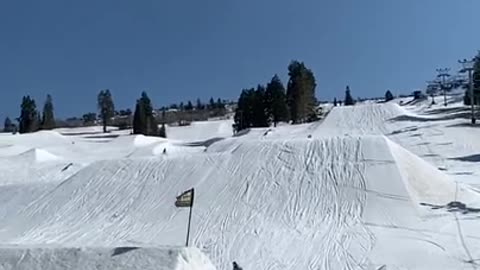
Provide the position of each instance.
(301, 92)
(244, 113)
(139, 119)
(276, 101)
(48, 119)
(37, 124)
(335, 102)
(89, 118)
(105, 107)
(182, 107)
(28, 120)
(144, 121)
(348, 97)
(189, 106)
(260, 117)
(9, 126)
(163, 131)
(211, 104)
(219, 104)
(388, 96)
(199, 105)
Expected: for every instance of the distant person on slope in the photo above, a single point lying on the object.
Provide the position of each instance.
(236, 266)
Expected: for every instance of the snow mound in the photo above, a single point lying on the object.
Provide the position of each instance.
(38, 155)
(200, 131)
(338, 194)
(141, 258)
(141, 140)
(359, 119)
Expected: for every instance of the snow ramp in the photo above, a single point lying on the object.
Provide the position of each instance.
(120, 258)
(328, 203)
(201, 131)
(359, 119)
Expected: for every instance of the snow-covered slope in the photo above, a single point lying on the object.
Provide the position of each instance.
(201, 131)
(71, 258)
(345, 193)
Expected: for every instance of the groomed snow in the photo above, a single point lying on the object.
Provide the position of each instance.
(101, 258)
(366, 188)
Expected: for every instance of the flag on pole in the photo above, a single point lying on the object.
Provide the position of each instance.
(185, 199)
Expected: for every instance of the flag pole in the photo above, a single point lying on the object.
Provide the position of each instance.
(189, 221)
(190, 216)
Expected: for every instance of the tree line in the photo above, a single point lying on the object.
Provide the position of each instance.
(262, 106)
(144, 119)
(32, 120)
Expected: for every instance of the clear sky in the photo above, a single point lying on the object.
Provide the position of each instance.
(178, 50)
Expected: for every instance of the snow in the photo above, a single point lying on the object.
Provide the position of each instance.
(72, 258)
(370, 186)
(202, 130)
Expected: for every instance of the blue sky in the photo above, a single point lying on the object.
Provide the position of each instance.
(179, 50)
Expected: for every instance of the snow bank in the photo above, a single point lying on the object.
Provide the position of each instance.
(141, 258)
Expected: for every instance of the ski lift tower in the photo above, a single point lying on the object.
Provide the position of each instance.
(468, 68)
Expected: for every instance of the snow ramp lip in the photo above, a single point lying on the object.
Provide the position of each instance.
(85, 258)
(424, 182)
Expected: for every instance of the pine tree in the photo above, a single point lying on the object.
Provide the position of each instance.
(106, 107)
(181, 107)
(37, 124)
(139, 119)
(301, 92)
(211, 104)
(9, 126)
(189, 106)
(260, 117)
(348, 97)
(388, 96)
(335, 102)
(244, 113)
(48, 119)
(163, 131)
(199, 105)
(276, 101)
(219, 104)
(28, 120)
(144, 121)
